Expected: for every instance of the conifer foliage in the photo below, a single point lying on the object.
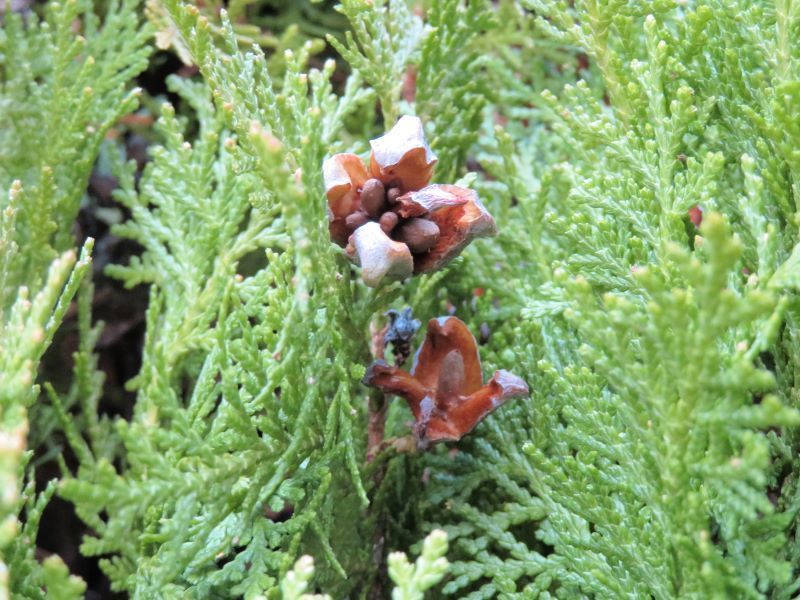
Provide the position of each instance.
(640, 161)
(64, 81)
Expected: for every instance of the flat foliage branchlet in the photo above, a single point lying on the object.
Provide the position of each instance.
(254, 349)
(63, 83)
(643, 467)
(244, 400)
(411, 581)
(26, 334)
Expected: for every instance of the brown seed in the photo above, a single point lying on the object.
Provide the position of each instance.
(393, 194)
(388, 220)
(373, 198)
(420, 235)
(356, 219)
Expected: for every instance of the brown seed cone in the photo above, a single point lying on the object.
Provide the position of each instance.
(420, 235)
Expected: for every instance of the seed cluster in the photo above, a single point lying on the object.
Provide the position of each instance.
(380, 204)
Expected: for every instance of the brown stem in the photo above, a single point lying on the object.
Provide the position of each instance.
(375, 434)
(377, 400)
(376, 427)
(383, 452)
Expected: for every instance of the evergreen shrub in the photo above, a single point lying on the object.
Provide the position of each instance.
(642, 163)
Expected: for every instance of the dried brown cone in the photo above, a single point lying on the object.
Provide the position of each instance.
(420, 227)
